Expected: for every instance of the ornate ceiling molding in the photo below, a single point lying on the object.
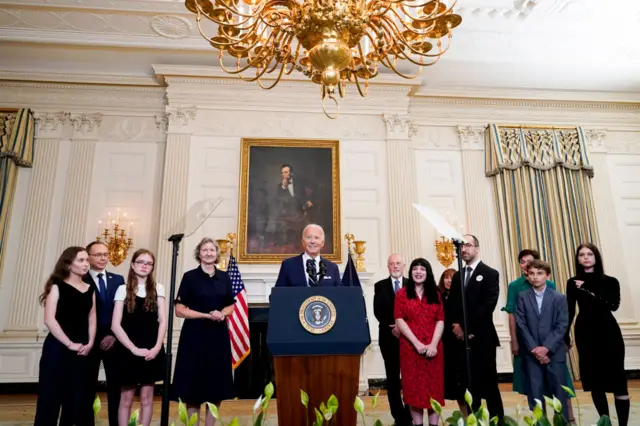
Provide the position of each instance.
(171, 26)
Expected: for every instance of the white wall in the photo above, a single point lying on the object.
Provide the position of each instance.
(114, 156)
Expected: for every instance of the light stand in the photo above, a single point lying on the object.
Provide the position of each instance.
(467, 349)
(164, 416)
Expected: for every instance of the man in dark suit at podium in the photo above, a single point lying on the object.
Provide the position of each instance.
(383, 305)
(309, 268)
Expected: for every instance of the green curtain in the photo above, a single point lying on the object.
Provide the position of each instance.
(16, 150)
(544, 201)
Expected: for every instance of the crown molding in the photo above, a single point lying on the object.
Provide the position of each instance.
(58, 78)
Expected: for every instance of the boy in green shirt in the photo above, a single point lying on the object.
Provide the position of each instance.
(525, 257)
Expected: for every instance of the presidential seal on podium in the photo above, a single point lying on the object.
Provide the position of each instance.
(317, 314)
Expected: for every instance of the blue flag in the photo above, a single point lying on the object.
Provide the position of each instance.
(350, 276)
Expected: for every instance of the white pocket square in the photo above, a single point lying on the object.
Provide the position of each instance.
(327, 277)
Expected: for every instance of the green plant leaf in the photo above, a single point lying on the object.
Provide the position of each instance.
(234, 422)
(96, 405)
(557, 405)
(604, 421)
(483, 414)
(358, 405)
(214, 410)
(558, 420)
(133, 420)
(508, 421)
(258, 403)
(182, 413)
(194, 419)
(569, 391)
(323, 407)
(529, 420)
(468, 398)
(472, 420)
(436, 406)
(460, 422)
(374, 400)
(378, 423)
(268, 390)
(265, 403)
(319, 418)
(544, 422)
(258, 421)
(332, 403)
(173, 423)
(537, 410)
(304, 398)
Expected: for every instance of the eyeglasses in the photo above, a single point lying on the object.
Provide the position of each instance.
(142, 262)
(105, 255)
(469, 245)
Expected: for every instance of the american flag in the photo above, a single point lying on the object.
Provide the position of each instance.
(238, 321)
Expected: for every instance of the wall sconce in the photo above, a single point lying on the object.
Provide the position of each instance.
(226, 250)
(118, 240)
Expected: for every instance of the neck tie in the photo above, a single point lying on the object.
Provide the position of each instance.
(397, 286)
(311, 271)
(467, 275)
(102, 285)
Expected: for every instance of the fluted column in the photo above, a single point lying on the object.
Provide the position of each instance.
(401, 170)
(75, 207)
(30, 276)
(175, 181)
(609, 233)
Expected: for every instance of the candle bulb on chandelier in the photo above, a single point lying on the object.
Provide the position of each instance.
(99, 228)
(118, 218)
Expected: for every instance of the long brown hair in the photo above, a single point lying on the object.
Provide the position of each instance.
(61, 271)
(151, 299)
(443, 290)
(598, 267)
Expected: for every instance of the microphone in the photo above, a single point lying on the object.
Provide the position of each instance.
(323, 270)
(311, 271)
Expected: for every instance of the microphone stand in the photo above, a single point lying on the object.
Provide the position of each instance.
(164, 416)
(467, 350)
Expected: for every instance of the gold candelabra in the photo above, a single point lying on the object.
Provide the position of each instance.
(226, 250)
(118, 241)
(359, 248)
(332, 42)
(445, 249)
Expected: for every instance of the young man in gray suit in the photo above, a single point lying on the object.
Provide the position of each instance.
(542, 318)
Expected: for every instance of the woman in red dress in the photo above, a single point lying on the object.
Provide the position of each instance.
(420, 318)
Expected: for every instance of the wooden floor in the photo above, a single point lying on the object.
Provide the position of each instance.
(20, 409)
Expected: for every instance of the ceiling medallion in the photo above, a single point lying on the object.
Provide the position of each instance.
(332, 42)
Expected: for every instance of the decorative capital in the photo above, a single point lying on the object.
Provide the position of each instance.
(162, 122)
(180, 115)
(399, 126)
(471, 137)
(595, 140)
(84, 122)
(50, 121)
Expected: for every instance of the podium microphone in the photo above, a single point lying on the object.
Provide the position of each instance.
(323, 271)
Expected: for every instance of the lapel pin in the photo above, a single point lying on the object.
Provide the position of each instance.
(479, 278)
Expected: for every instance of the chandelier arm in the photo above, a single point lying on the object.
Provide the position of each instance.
(398, 31)
(403, 55)
(390, 65)
(330, 96)
(366, 91)
(364, 62)
(275, 82)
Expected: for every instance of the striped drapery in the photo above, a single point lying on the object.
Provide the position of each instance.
(544, 200)
(16, 150)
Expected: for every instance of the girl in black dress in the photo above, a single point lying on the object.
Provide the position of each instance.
(203, 371)
(65, 367)
(453, 349)
(139, 323)
(598, 336)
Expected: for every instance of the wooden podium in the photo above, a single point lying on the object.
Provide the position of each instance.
(311, 358)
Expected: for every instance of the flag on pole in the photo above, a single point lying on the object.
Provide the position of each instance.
(350, 275)
(239, 320)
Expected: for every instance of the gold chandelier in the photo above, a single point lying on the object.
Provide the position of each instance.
(332, 42)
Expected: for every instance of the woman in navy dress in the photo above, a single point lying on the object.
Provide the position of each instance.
(70, 315)
(139, 323)
(203, 371)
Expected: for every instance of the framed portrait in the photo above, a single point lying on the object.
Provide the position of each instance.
(286, 184)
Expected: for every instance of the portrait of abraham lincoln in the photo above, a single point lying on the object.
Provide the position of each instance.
(285, 185)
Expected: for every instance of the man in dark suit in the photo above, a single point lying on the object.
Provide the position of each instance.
(105, 284)
(309, 268)
(388, 334)
(542, 319)
(481, 287)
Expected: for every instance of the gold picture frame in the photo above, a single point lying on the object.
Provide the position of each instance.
(272, 214)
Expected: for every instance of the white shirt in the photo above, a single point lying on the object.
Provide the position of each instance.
(121, 292)
(393, 283)
(94, 277)
(290, 188)
(306, 257)
(473, 267)
(539, 296)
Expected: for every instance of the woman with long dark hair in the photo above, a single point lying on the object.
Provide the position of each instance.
(70, 315)
(420, 317)
(139, 323)
(598, 337)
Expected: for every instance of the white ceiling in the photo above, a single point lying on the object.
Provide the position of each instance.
(543, 44)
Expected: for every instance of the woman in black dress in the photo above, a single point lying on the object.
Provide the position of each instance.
(203, 371)
(453, 349)
(139, 323)
(65, 367)
(598, 336)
